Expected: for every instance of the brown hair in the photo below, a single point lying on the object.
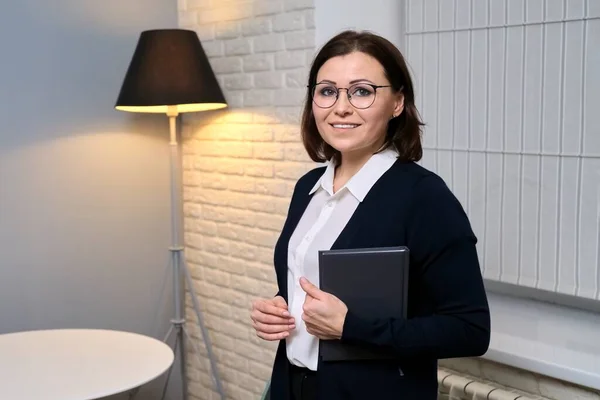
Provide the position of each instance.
(403, 132)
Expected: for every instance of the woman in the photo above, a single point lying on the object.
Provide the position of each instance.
(360, 117)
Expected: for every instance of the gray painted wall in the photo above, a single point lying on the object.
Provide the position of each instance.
(333, 16)
(84, 189)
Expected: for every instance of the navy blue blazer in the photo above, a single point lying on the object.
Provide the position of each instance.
(448, 314)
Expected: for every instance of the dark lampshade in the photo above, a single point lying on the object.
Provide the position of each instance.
(169, 68)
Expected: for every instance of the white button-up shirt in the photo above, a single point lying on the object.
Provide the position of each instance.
(323, 220)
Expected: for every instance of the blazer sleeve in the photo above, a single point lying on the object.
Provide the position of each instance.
(443, 255)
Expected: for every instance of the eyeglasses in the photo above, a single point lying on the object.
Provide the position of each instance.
(360, 95)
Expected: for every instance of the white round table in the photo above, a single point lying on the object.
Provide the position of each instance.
(77, 364)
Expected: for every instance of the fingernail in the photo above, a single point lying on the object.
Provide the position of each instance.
(286, 314)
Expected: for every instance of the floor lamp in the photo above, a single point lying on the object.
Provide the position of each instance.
(169, 73)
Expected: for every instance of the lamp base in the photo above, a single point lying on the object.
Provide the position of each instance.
(178, 327)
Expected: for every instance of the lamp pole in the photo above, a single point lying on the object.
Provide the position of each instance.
(181, 274)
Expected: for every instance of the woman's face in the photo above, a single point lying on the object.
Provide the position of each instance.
(347, 126)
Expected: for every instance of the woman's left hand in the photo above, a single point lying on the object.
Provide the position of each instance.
(324, 314)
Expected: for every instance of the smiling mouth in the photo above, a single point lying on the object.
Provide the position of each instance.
(345, 126)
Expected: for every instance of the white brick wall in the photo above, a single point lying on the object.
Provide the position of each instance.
(240, 167)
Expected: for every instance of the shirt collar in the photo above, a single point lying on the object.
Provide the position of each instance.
(360, 184)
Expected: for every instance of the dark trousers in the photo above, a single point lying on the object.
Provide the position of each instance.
(303, 383)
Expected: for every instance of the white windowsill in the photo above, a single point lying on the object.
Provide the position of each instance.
(548, 339)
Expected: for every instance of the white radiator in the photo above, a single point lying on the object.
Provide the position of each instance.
(456, 387)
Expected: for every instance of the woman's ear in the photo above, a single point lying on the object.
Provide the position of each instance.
(398, 104)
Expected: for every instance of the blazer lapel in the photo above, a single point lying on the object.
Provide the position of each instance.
(297, 208)
(347, 237)
(296, 213)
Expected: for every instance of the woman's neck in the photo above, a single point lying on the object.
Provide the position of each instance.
(349, 165)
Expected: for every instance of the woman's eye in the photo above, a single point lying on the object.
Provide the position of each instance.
(362, 91)
(328, 92)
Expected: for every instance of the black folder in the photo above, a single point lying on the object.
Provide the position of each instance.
(373, 283)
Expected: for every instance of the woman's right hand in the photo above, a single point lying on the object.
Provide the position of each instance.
(271, 318)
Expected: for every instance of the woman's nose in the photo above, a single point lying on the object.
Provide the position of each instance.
(342, 105)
